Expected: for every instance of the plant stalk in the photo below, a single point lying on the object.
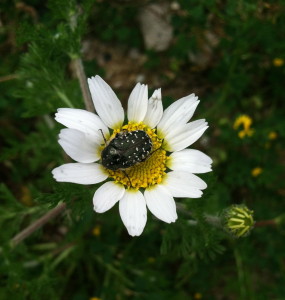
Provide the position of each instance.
(80, 74)
(37, 224)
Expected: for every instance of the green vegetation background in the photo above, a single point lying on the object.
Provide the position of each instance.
(231, 54)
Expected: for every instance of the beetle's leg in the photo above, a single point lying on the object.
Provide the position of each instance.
(103, 136)
(157, 148)
(126, 174)
(125, 131)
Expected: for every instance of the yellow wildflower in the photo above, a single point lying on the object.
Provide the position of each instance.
(256, 171)
(245, 121)
(26, 197)
(96, 231)
(95, 298)
(272, 135)
(197, 296)
(278, 62)
(151, 260)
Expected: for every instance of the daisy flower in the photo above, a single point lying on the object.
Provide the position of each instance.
(142, 162)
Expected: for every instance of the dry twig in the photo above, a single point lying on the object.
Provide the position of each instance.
(37, 224)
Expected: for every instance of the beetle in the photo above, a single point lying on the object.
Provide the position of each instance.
(126, 149)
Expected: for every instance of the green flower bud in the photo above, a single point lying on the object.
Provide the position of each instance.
(280, 223)
(237, 220)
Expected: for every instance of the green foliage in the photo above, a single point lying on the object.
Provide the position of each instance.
(115, 23)
(225, 51)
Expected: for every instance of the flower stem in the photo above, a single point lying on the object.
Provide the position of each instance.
(37, 224)
(241, 274)
(79, 70)
(8, 77)
(265, 223)
(63, 97)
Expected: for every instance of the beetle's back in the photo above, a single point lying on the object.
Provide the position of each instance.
(126, 149)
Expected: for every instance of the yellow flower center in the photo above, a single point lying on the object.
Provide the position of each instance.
(148, 172)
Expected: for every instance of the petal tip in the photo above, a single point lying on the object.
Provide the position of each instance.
(98, 209)
(132, 231)
(174, 219)
(54, 173)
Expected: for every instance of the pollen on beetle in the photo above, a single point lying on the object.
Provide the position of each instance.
(148, 172)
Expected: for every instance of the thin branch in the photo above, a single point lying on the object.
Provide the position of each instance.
(36, 262)
(265, 223)
(213, 220)
(80, 74)
(8, 77)
(37, 224)
(79, 70)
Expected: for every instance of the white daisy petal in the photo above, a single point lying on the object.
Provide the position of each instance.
(137, 103)
(83, 121)
(190, 160)
(184, 184)
(184, 136)
(107, 196)
(106, 103)
(80, 173)
(178, 113)
(154, 109)
(161, 203)
(77, 145)
(133, 212)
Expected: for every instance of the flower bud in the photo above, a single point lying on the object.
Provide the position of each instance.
(237, 220)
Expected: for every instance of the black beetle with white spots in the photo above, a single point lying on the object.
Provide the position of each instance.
(126, 149)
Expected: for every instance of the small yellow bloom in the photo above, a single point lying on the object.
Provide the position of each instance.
(95, 298)
(26, 197)
(151, 260)
(245, 121)
(96, 231)
(272, 135)
(256, 171)
(278, 62)
(244, 132)
(197, 296)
